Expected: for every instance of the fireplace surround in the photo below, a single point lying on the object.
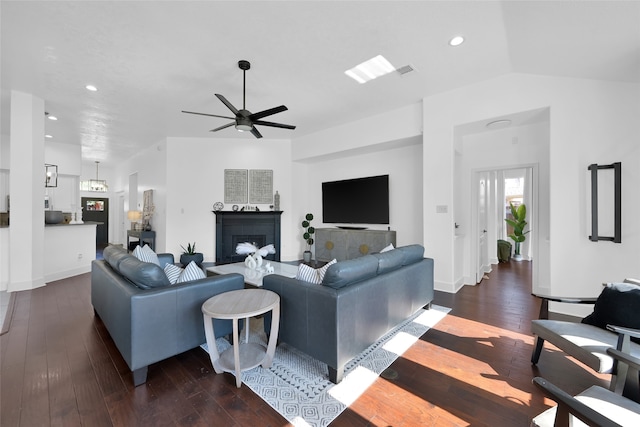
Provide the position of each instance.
(259, 227)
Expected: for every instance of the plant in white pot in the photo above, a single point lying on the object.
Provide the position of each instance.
(518, 223)
(189, 254)
(307, 235)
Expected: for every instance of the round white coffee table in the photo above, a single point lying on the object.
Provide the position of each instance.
(241, 304)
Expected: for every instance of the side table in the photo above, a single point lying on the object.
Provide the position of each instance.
(241, 304)
(142, 236)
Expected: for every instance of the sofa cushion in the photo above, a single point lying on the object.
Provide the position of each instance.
(146, 254)
(617, 305)
(389, 261)
(113, 255)
(191, 272)
(145, 275)
(313, 275)
(411, 253)
(344, 273)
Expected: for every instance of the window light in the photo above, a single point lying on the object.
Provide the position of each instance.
(371, 69)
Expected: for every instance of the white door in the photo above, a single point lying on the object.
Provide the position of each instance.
(481, 250)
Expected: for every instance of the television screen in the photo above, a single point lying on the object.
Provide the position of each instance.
(356, 201)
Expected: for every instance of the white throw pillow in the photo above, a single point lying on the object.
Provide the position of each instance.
(173, 272)
(146, 254)
(191, 272)
(387, 248)
(313, 275)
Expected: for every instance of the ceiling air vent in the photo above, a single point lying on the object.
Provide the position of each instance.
(405, 69)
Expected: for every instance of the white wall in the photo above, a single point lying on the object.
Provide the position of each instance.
(150, 165)
(389, 143)
(590, 122)
(195, 181)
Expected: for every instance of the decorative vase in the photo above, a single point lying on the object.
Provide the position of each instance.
(185, 259)
(306, 256)
(276, 201)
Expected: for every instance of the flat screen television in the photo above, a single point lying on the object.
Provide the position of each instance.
(356, 201)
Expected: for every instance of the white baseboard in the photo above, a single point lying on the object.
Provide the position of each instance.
(59, 275)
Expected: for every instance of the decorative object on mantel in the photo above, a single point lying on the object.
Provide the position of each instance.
(50, 175)
(189, 254)
(276, 201)
(254, 255)
(518, 223)
(218, 206)
(307, 235)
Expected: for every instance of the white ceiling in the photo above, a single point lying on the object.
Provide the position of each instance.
(152, 59)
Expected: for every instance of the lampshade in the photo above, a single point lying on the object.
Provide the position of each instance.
(134, 215)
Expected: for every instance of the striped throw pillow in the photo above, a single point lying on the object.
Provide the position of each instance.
(313, 275)
(173, 272)
(191, 272)
(146, 254)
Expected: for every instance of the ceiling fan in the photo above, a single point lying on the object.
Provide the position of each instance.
(244, 120)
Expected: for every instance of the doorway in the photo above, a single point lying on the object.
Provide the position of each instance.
(96, 209)
(493, 192)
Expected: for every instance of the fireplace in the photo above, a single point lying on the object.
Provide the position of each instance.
(261, 228)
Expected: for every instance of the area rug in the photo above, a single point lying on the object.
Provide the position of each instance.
(298, 386)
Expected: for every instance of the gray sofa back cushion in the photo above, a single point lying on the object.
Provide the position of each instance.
(389, 261)
(114, 255)
(411, 253)
(145, 275)
(344, 273)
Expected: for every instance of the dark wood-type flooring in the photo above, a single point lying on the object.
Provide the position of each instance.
(60, 367)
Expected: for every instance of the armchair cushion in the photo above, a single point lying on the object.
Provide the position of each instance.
(617, 305)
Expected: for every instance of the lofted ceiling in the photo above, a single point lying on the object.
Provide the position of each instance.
(152, 59)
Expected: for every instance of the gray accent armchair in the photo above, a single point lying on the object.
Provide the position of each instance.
(589, 343)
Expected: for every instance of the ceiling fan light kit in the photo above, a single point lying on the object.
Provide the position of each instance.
(244, 120)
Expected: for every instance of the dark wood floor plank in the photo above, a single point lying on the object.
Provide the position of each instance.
(60, 367)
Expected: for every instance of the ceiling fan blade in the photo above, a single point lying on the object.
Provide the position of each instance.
(265, 113)
(210, 115)
(229, 105)
(272, 124)
(255, 132)
(222, 127)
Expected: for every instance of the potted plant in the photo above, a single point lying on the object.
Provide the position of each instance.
(189, 254)
(518, 223)
(307, 235)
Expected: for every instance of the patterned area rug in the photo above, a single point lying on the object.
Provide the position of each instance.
(298, 386)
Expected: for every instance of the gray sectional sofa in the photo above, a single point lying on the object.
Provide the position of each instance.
(358, 301)
(149, 319)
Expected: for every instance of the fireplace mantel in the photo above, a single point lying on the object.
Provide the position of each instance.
(233, 227)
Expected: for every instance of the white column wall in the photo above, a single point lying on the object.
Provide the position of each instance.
(26, 231)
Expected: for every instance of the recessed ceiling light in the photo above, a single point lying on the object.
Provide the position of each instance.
(50, 117)
(48, 136)
(499, 124)
(92, 88)
(371, 69)
(456, 41)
